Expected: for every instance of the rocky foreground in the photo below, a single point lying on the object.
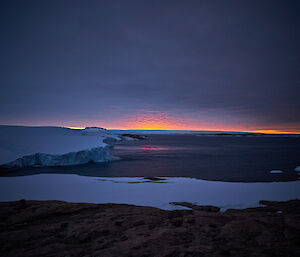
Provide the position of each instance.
(53, 228)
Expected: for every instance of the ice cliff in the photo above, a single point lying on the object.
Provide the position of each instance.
(22, 146)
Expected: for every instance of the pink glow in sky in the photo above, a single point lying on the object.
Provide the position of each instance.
(148, 119)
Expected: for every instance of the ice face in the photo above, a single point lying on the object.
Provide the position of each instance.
(99, 154)
(53, 146)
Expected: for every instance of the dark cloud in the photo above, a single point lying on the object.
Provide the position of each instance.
(81, 59)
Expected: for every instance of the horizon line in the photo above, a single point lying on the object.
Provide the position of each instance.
(259, 131)
(265, 131)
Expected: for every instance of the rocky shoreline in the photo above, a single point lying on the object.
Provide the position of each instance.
(54, 228)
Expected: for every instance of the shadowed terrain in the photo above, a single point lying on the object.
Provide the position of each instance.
(54, 228)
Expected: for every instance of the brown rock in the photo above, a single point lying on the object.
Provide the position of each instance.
(68, 229)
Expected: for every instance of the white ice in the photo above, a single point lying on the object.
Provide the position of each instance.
(53, 145)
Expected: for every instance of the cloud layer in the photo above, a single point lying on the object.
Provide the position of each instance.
(204, 63)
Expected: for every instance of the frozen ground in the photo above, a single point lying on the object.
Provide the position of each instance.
(139, 191)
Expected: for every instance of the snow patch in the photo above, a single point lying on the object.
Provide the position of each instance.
(276, 171)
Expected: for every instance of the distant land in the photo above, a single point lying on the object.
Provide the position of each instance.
(204, 132)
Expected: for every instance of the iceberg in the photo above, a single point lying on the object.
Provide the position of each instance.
(22, 146)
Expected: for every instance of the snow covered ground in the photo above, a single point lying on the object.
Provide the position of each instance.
(139, 191)
(50, 146)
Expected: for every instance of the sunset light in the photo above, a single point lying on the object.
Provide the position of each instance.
(158, 120)
(150, 128)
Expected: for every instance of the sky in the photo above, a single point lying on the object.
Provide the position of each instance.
(195, 65)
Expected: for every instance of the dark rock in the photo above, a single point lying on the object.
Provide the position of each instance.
(62, 229)
(177, 222)
(64, 225)
(139, 223)
(154, 178)
(105, 232)
(118, 223)
(124, 238)
(190, 221)
(23, 203)
(196, 207)
(138, 137)
(174, 214)
(206, 208)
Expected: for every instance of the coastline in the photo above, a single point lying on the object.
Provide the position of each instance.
(144, 191)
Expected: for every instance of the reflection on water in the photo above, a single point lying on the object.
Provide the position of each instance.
(148, 148)
(157, 148)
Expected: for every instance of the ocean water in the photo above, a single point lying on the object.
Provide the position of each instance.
(218, 158)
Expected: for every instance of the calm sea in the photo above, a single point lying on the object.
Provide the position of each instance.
(226, 158)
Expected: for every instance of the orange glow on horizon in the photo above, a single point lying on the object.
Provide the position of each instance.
(170, 127)
(157, 120)
(274, 131)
